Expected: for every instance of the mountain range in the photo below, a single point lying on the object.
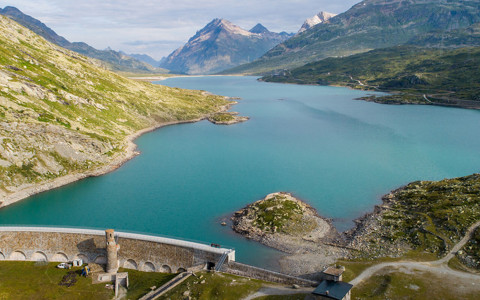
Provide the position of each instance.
(221, 45)
(114, 60)
(368, 25)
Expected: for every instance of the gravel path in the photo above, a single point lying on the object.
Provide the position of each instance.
(275, 290)
(438, 267)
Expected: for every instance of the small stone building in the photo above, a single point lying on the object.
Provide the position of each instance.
(332, 286)
(333, 273)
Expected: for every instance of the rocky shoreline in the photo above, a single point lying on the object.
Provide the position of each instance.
(309, 251)
(422, 219)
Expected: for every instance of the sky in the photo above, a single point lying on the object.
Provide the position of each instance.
(158, 27)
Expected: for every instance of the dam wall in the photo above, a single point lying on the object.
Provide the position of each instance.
(136, 251)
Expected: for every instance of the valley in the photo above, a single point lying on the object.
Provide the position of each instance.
(389, 192)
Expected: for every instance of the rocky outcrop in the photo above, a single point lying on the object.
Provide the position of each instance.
(288, 224)
(319, 18)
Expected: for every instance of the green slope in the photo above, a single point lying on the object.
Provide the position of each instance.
(371, 24)
(62, 113)
(445, 76)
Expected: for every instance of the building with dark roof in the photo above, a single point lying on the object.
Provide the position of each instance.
(329, 289)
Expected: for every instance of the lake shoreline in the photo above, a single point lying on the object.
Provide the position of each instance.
(129, 153)
(464, 104)
(167, 76)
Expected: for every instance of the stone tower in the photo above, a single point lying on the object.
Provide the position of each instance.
(112, 248)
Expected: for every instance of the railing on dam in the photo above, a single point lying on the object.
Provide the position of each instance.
(121, 234)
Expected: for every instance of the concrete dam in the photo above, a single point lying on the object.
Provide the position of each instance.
(136, 251)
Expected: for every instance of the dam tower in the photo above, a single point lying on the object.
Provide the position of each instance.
(112, 249)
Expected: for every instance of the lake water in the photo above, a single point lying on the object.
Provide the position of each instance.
(338, 154)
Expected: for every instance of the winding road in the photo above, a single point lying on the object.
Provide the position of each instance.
(438, 267)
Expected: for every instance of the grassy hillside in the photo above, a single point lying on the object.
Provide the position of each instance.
(61, 113)
(422, 217)
(445, 76)
(371, 24)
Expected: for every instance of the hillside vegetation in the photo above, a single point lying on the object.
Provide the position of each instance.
(446, 76)
(423, 217)
(370, 24)
(61, 113)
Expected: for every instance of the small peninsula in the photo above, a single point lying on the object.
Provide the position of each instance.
(288, 224)
(227, 118)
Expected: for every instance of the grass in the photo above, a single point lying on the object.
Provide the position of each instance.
(216, 286)
(280, 214)
(222, 117)
(396, 285)
(283, 297)
(426, 218)
(29, 280)
(355, 267)
(33, 280)
(141, 282)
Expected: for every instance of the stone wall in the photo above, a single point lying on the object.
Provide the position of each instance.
(141, 252)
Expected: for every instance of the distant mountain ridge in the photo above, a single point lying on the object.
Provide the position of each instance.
(116, 61)
(221, 45)
(368, 25)
(143, 57)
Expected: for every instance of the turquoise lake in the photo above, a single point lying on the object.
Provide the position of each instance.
(338, 154)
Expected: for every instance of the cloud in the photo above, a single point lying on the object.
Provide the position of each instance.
(162, 26)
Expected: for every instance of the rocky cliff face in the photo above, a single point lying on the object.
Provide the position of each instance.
(370, 24)
(114, 60)
(221, 45)
(319, 18)
(61, 114)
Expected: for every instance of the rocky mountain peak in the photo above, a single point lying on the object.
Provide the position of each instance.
(10, 9)
(259, 28)
(321, 17)
(220, 45)
(218, 25)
